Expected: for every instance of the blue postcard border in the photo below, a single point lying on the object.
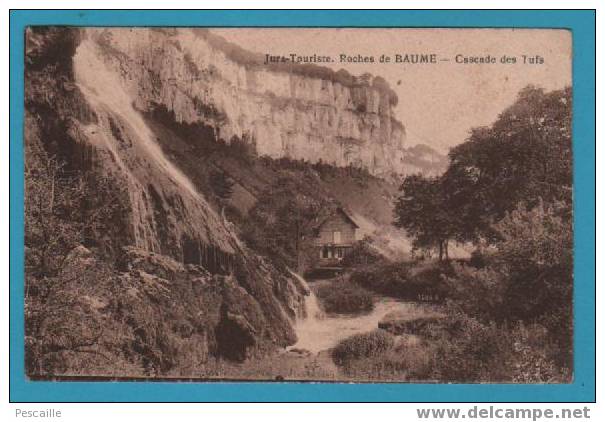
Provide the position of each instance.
(582, 25)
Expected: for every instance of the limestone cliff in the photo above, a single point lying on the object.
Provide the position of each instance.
(301, 111)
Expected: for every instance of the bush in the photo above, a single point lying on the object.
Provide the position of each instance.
(345, 298)
(288, 206)
(478, 259)
(457, 349)
(528, 278)
(378, 355)
(463, 349)
(362, 346)
(402, 281)
(389, 279)
(400, 363)
(362, 253)
(480, 293)
(429, 283)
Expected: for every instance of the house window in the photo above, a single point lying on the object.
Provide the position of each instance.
(337, 239)
(339, 253)
(325, 252)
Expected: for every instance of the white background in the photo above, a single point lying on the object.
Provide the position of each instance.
(260, 412)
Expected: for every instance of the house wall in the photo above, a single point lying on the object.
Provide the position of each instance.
(336, 223)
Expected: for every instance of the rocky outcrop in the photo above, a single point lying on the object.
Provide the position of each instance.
(301, 112)
(153, 316)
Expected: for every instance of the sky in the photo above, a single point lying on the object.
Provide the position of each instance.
(438, 103)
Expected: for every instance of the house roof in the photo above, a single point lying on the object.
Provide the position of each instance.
(344, 213)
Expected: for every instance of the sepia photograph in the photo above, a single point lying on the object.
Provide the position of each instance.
(298, 204)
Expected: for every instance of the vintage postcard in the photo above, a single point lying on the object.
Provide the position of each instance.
(298, 204)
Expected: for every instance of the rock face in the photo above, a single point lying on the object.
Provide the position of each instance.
(182, 282)
(301, 112)
(153, 317)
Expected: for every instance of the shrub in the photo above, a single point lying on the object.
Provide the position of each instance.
(402, 281)
(464, 349)
(478, 259)
(429, 283)
(457, 349)
(345, 298)
(362, 346)
(528, 278)
(388, 279)
(362, 253)
(400, 363)
(479, 293)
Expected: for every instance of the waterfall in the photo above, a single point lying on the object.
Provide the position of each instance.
(317, 331)
(153, 180)
(309, 324)
(102, 88)
(312, 309)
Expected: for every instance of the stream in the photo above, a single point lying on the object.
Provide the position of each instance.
(320, 331)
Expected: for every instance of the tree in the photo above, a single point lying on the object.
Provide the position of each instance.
(64, 210)
(279, 225)
(421, 211)
(525, 156)
(535, 253)
(48, 197)
(528, 277)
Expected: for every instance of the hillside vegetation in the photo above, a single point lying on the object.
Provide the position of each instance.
(508, 309)
(276, 204)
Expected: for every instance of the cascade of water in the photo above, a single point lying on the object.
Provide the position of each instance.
(103, 88)
(318, 331)
(312, 309)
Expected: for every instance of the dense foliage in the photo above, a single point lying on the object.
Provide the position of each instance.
(508, 191)
(362, 345)
(422, 211)
(465, 349)
(525, 156)
(279, 226)
(362, 253)
(345, 298)
(528, 277)
(404, 280)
